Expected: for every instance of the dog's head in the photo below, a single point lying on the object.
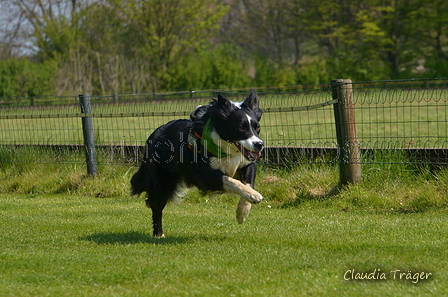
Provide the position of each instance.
(237, 124)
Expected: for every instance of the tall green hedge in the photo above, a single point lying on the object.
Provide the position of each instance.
(21, 77)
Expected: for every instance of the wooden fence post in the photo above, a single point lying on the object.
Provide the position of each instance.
(348, 145)
(87, 131)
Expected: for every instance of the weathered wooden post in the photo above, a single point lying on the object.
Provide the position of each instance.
(348, 145)
(87, 131)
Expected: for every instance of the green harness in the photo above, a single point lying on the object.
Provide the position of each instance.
(208, 143)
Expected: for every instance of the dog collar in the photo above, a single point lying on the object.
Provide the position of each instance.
(194, 141)
(206, 141)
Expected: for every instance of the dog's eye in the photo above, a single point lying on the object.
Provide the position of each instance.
(241, 128)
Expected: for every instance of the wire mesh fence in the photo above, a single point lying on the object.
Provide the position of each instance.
(397, 121)
(402, 121)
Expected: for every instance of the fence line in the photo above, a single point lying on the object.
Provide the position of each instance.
(401, 121)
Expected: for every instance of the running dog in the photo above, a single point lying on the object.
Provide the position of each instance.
(215, 150)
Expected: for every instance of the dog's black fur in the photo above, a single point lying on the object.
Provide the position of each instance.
(174, 156)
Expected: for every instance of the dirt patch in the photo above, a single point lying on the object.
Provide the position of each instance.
(271, 179)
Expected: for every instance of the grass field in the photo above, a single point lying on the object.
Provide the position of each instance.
(65, 234)
(59, 245)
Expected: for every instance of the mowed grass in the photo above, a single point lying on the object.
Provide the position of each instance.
(65, 234)
(59, 245)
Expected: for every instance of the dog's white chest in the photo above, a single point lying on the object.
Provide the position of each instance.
(229, 165)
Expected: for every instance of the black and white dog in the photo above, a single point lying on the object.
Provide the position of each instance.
(215, 151)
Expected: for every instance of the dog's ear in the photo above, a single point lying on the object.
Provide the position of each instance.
(251, 102)
(223, 102)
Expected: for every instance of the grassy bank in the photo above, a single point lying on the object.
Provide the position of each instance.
(390, 187)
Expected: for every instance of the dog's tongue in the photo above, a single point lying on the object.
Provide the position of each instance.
(252, 155)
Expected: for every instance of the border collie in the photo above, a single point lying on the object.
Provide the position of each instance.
(214, 150)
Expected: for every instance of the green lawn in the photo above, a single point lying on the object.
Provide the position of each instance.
(65, 245)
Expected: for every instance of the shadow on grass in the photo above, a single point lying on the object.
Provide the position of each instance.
(131, 238)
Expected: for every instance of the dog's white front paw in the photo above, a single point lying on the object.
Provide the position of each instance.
(235, 186)
(257, 197)
(253, 196)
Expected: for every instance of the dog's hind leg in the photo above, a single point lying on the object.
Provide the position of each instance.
(157, 205)
(160, 190)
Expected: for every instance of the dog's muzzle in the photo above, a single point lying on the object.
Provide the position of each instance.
(258, 146)
(253, 154)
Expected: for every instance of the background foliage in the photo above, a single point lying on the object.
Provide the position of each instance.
(116, 46)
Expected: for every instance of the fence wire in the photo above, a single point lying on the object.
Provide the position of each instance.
(402, 121)
(397, 121)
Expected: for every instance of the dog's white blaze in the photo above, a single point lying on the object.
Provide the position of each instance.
(249, 118)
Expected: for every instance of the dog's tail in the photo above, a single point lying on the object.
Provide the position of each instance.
(138, 184)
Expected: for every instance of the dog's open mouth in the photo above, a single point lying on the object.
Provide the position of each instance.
(248, 154)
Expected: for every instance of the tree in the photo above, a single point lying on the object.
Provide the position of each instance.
(53, 25)
(431, 34)
(223, 66)
(53, 30)
(261, 27)
(111, 46)
(166, 30)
